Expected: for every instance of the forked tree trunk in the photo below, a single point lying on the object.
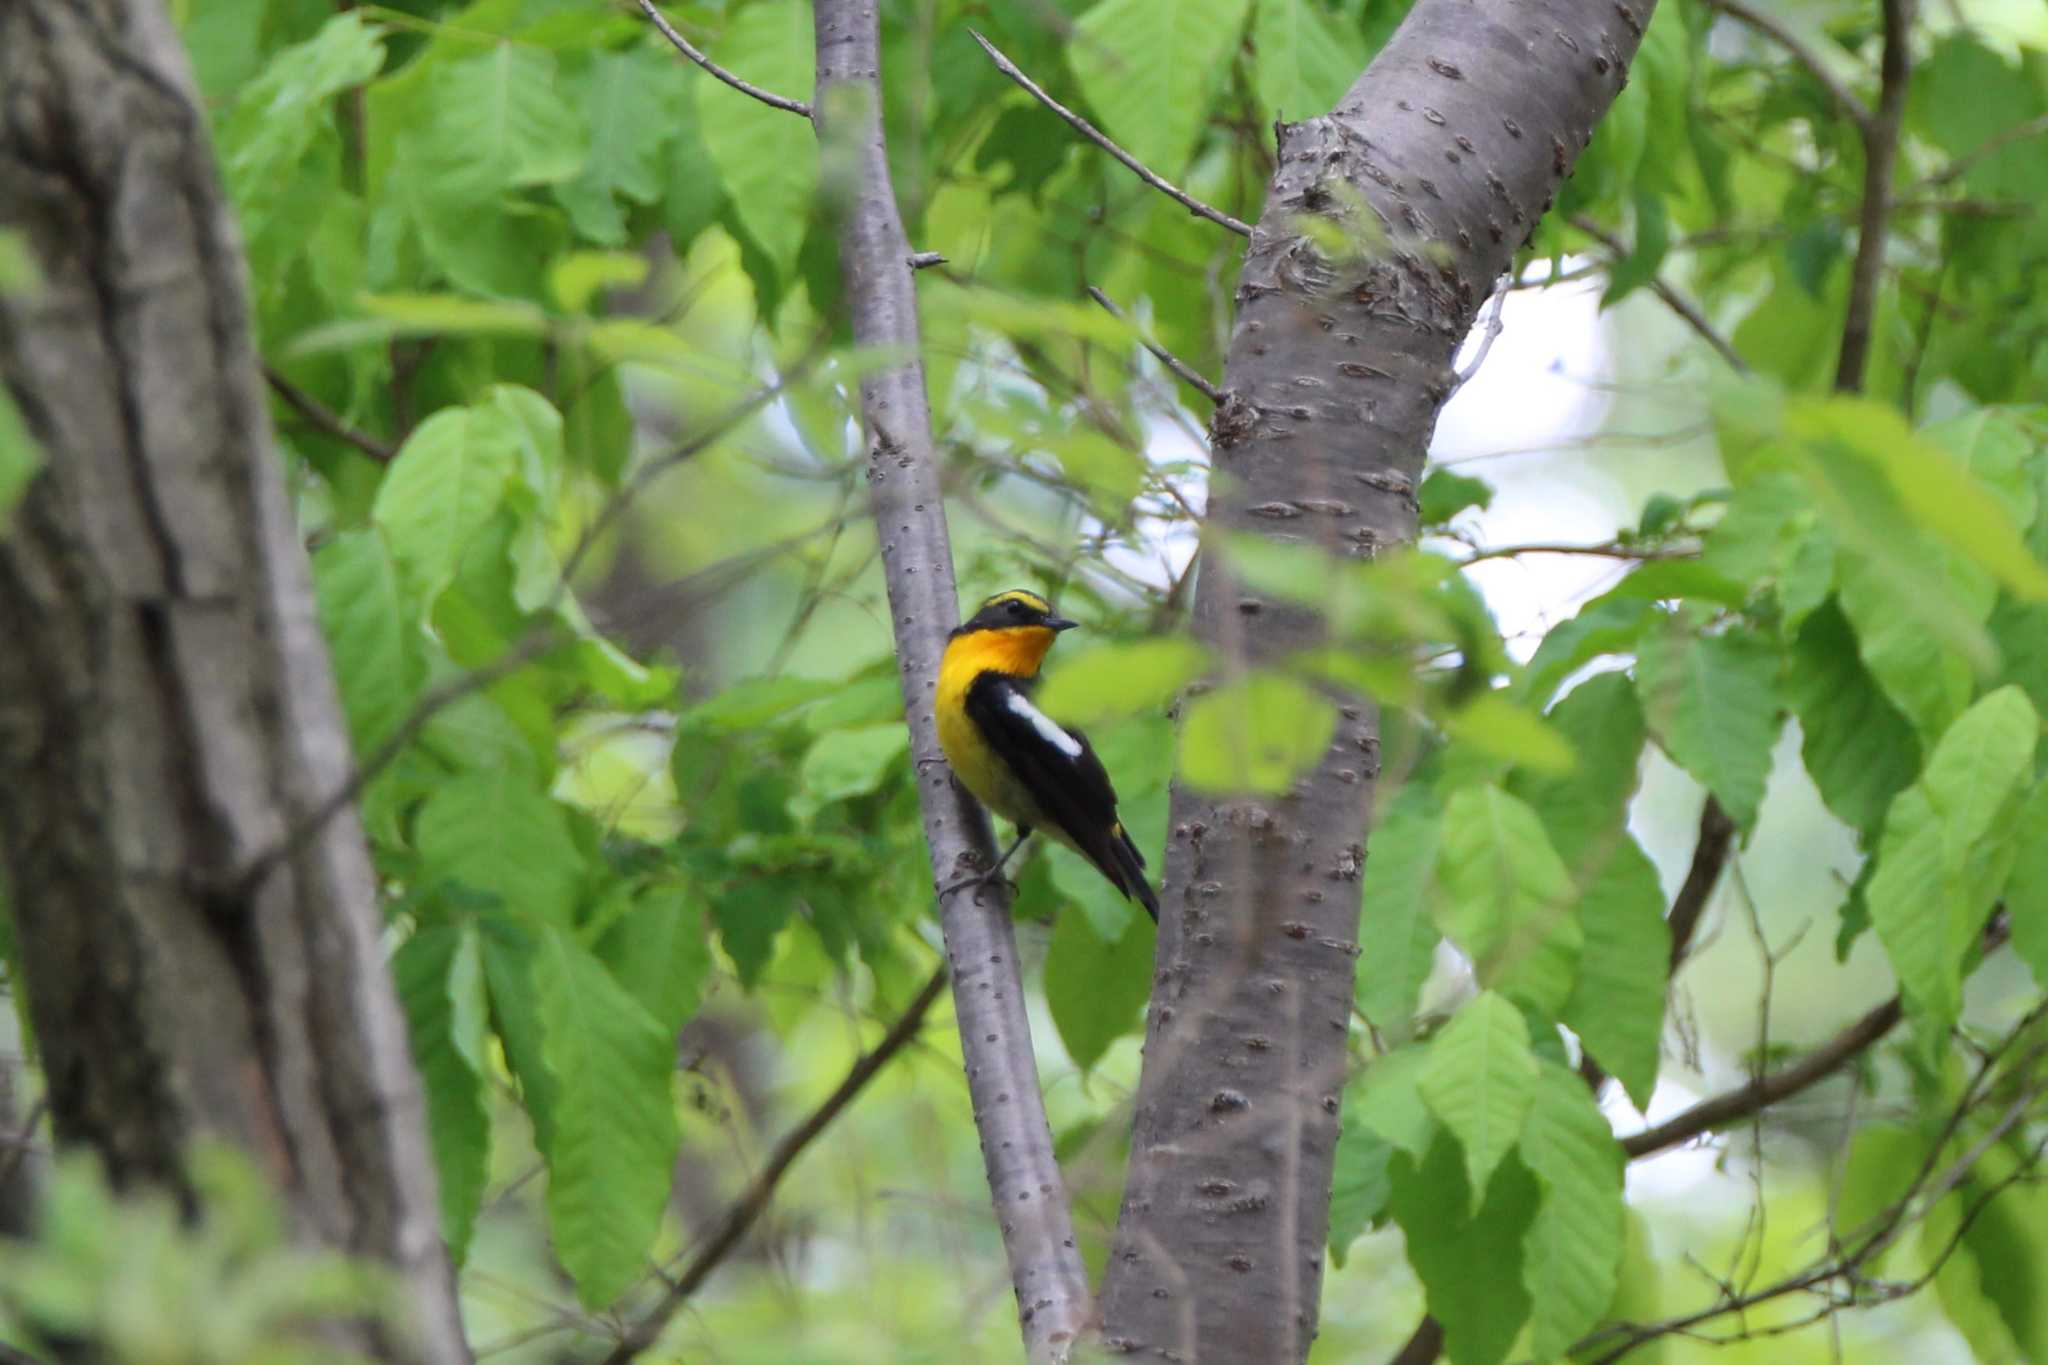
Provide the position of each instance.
(1436, 166)
(167, 715)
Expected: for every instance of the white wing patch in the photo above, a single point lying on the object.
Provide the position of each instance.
(1048, 729)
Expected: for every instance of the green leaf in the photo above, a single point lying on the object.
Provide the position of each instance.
(494, 833)
(1256, 735)
(1095, 989)
(1303, 63)
(441, 491)
(658, 951)
(1398, 889)
(581, 276)
(1947, 848)
(1480, 1082)
(1571, 1260)
(1602, 722)
(1443, 495)
(509, 947)
(439, 975)
(375, 640)
(278, 116)
(1507, 898)
(629, 100)
(1148, 69)
(1121, 679)
(1617, 1003)
(2026, 889)
(615, 1138)
(1858, 748)
(1470, 1265)
(1927, 672)
(1498, 727)
(1608, 625)
(768, 165)
(1712, 702)
(1359, 1187)
(843, 764)
(1387, 1100)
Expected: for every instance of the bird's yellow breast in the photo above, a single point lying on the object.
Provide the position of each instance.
(1017, 652)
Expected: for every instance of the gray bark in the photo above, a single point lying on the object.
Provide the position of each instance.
(917, 560)
(167, 715)
(1453, 140)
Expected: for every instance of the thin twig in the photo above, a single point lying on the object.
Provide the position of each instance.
(695, 54)
(1880, 157)
(324, 420)
(1990, 146)
(1761, 1092)
(742, 1213)
(1608, 550)
(1843, 96)
(1688, 311)
(1495, 325)
(1102, 140)
(1186, 373)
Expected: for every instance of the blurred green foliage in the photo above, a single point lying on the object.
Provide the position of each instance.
(525, 248)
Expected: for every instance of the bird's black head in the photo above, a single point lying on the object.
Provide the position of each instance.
(1017, 609)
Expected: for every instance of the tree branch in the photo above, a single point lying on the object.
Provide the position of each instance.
(1709, 856)
(1053, 1302)
(695, 54)
(322, 419)
(740, 1215)
(1845, 99)
(1186, 373)
(1102, 140)
(1880, 155)
(1688, 311)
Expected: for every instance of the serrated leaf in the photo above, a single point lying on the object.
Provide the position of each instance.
(659, 953)
(615, 1139)
(375, 640)
(279, 114)
(1443, 495)
(1480, 1081)
(1147, 70)
(767, 165)
(1947, 848)
(1395, 924)
(1387, 1100)
(441, 491)
(1572, 1253)
(1470, 1266)
(1603, 723)
(1712, 702)
(439, 976)
(1506, 898)
(494, 833)
(1928, 673)
(508, 951)
(1302, 63)
(1617, 1004)
(1097, 990)
(1120, 679)
(628, 100)
(1858, 748)
(1256, 735)
(1609, 625)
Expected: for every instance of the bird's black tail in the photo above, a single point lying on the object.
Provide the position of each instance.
(1130, 867)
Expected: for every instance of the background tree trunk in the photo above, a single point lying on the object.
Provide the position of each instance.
(1454, 140)
(167, 716)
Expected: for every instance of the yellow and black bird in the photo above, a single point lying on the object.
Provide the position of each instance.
(1020, 762)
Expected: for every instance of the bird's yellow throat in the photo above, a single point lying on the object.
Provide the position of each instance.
(1017, 651)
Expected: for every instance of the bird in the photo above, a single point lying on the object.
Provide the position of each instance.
(1018, 761)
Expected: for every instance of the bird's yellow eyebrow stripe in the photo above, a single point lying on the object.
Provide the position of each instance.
(1029, 599)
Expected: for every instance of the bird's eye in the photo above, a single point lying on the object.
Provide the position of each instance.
(1016, 607)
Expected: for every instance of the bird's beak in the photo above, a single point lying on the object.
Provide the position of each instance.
(1059, 623)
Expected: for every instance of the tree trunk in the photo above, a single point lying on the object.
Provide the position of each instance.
(1454, 140)
(167, 716)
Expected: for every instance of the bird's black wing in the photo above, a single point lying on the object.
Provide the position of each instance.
(1065, 779)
